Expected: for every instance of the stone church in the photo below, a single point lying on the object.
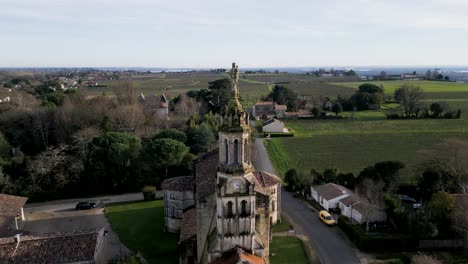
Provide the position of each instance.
(234, 205)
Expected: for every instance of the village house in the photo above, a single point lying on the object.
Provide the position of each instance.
(82, 248)
(267, 110)
(331, 196)
(328, 195)
(273, 125)
(411, 77)
(11, 213)
(160, 106)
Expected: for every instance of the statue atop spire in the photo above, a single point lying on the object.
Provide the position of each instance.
(235, 79)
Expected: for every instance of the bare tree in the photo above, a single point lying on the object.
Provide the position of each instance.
(450, 157)
(126, 93)
(410, 96)
(127, 118)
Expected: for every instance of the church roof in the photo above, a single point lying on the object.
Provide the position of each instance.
(54, 248)
(266, 179)
(10, 206)
(238, 255)
(206, 167)
(188, 227)
(181, 184)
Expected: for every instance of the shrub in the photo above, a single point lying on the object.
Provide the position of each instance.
(272, 135)
(149, 193)
(366, 242)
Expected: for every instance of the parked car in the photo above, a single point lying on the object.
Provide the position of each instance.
(326, 218)
(85, 205)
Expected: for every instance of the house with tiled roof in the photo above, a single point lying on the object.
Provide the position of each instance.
(328, 195)
(331, 196)
(266, 110)
(83, 248)
(11, 213)
(235, 205)
(273, 125)
(178, 196)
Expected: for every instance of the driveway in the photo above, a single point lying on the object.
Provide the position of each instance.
(331, 244)
(61, 216)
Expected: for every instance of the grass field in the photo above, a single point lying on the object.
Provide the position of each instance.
(287, 250)
(351, 145)
(140, 226)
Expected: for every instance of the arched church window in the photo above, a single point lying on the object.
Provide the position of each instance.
(173, 211)
(236, 151)
(244, 207)
(273, 207)
(226, 151)
(229, 209)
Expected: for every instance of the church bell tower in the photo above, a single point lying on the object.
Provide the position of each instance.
(235, 195)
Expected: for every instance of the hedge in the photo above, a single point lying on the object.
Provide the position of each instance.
(272, 135)
(367, 242)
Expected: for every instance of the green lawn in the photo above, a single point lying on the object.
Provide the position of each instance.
(351, 145)
(287, 250)
(427, 86)
(282, 226)
(140, 226)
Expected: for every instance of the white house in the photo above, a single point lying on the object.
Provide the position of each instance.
(273, 126)
(364, 212)
(328, 195)
(347, 205)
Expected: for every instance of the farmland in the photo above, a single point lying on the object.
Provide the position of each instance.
(350, 145)
(174, 84)
(427, 86)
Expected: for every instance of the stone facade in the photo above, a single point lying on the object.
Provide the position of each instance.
(178, 196)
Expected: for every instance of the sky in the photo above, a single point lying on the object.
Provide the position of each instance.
(212, 34)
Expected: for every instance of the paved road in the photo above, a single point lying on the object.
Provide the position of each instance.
(331, 244)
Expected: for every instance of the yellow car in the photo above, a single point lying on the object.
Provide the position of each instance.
(326, 218)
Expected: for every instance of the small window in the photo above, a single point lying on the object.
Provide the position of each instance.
(244, 207)
(229, 209)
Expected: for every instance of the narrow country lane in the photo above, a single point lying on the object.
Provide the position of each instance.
(332, 245)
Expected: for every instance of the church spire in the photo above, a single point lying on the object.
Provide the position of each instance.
(235, 79)
(234, 117)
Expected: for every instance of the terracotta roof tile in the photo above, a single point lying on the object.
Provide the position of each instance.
(182, 183)
(281, 107)
(50, 248)
(264, 103)
(265, 179)
(238, 255)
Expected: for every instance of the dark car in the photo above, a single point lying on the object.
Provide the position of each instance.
(85, 205)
